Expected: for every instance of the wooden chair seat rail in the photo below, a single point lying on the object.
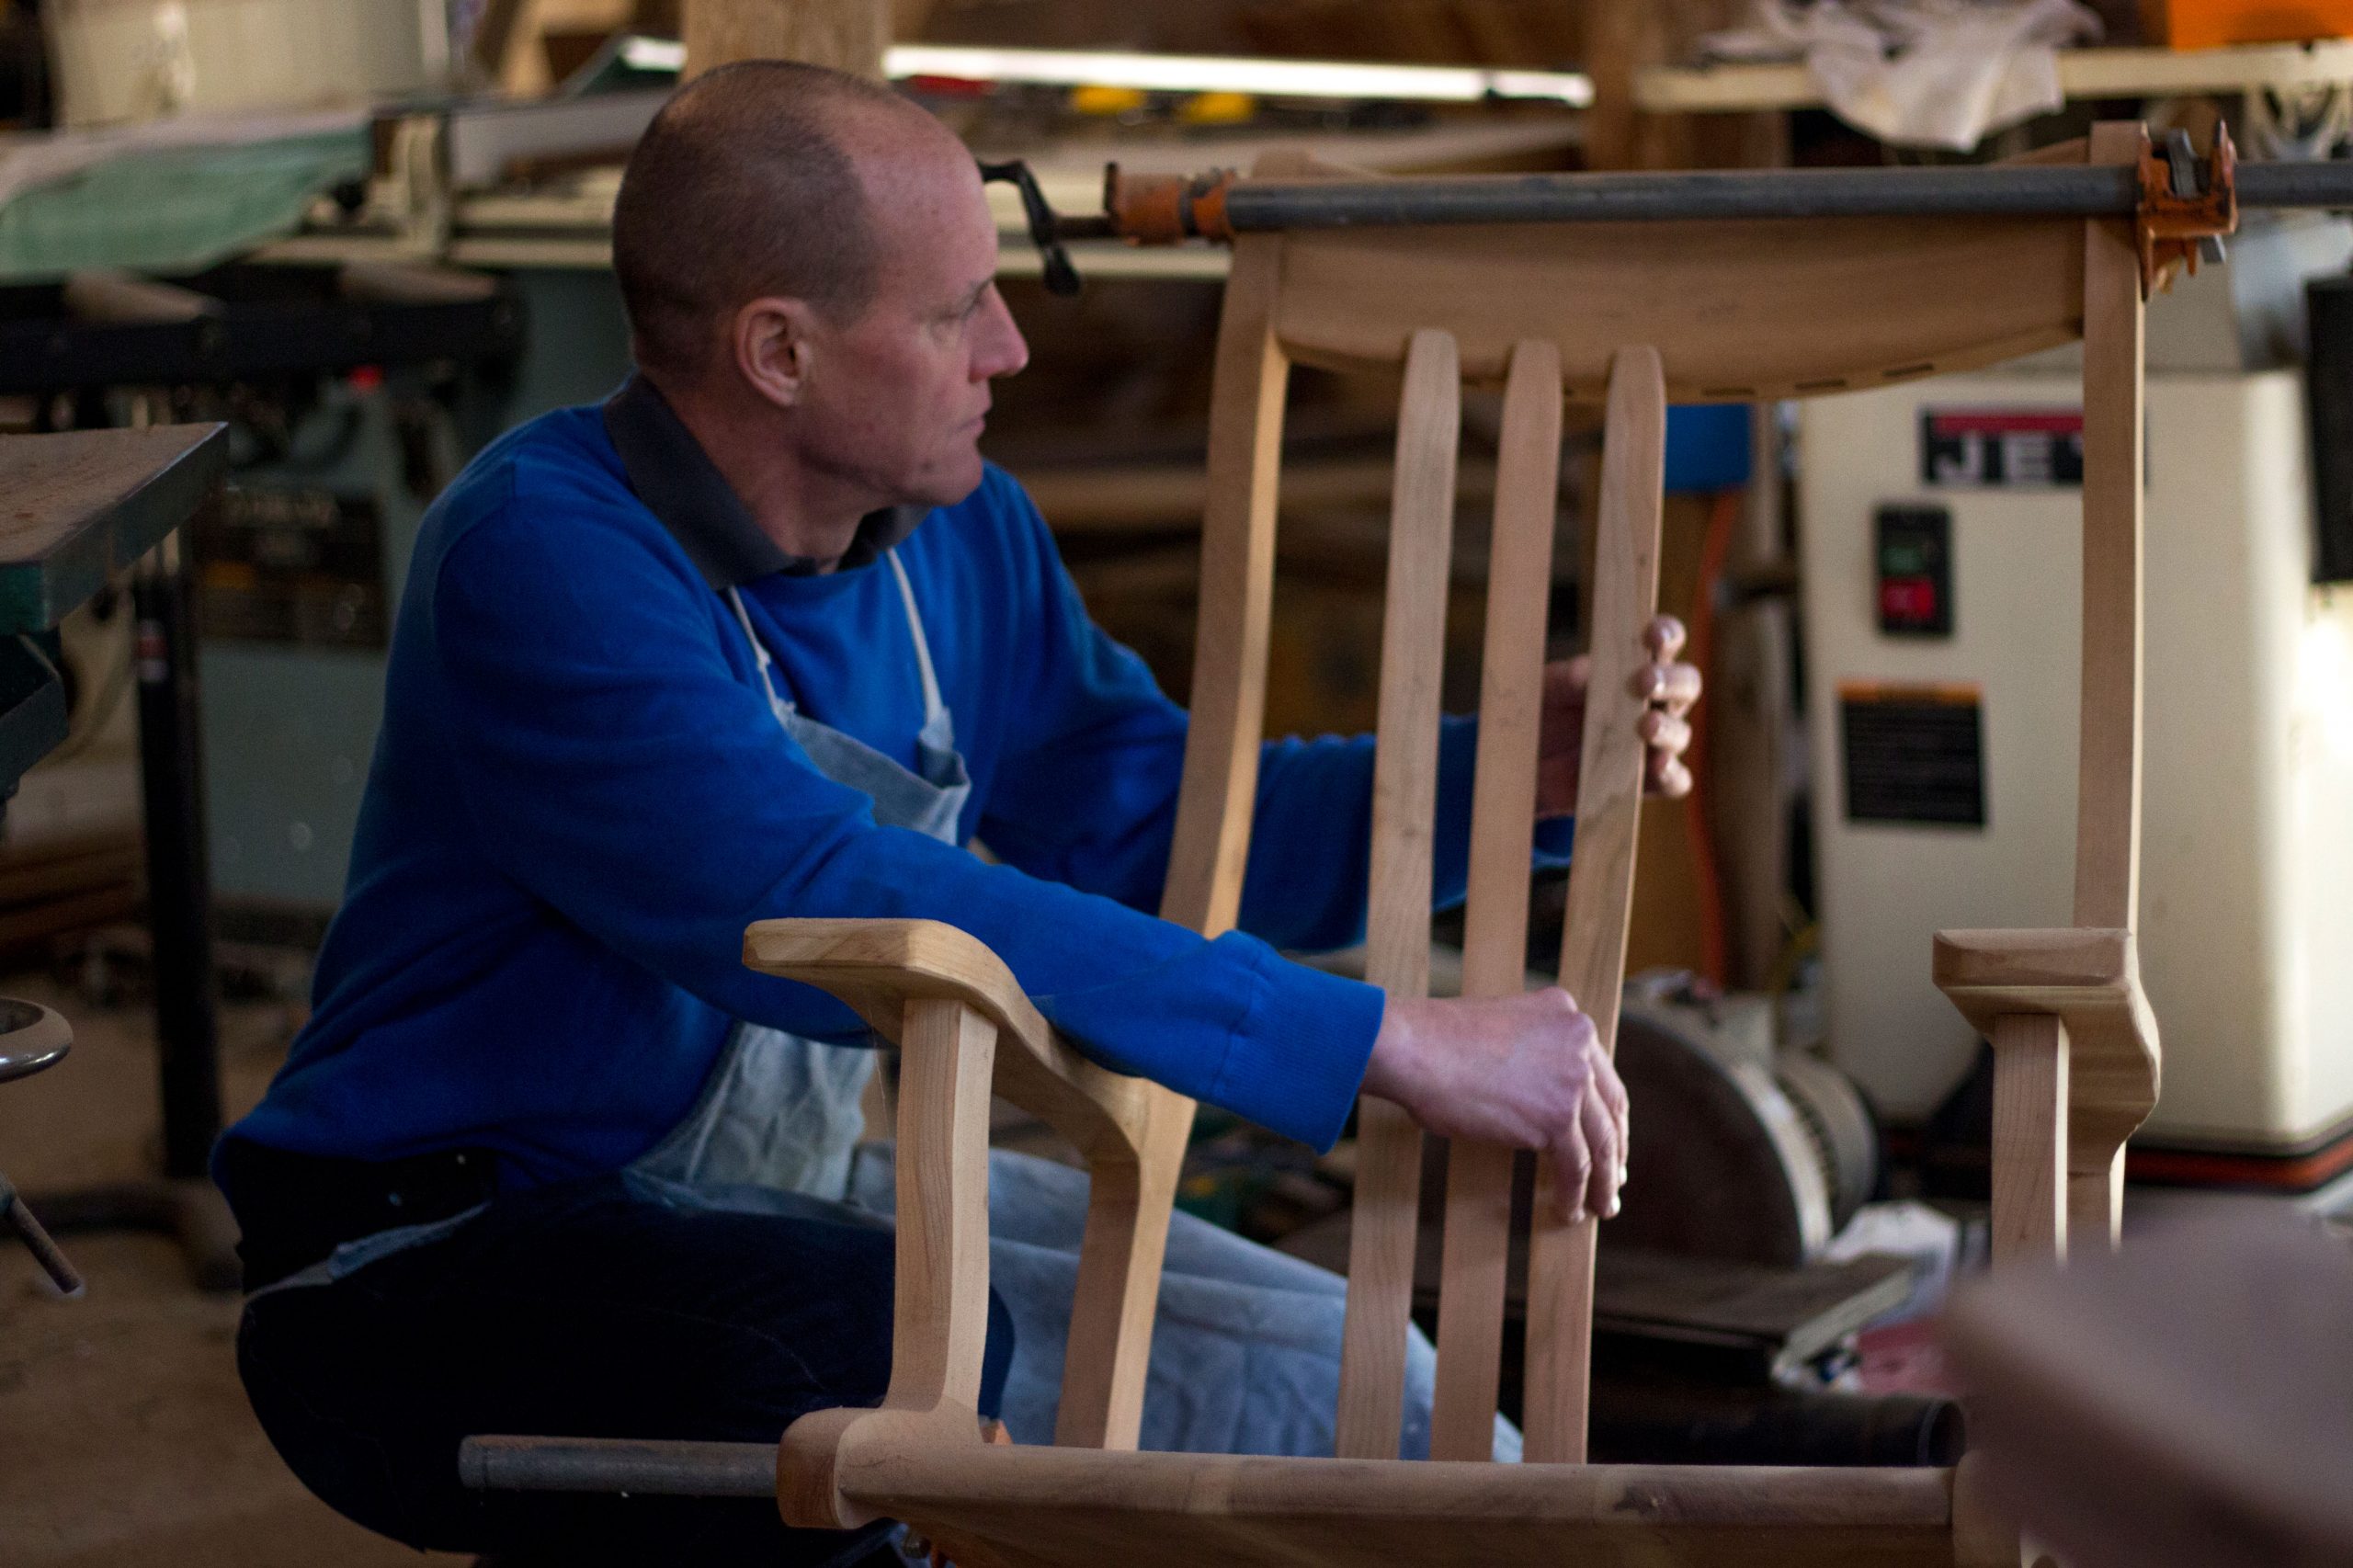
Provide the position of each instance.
(1069, 1509)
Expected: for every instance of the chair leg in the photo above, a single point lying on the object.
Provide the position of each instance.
(2030, 1178)
(1119, 1285)
(2095, 1190)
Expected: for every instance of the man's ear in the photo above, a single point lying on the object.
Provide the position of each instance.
(773, 342)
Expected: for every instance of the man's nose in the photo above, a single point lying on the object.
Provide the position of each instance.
(1003, 352)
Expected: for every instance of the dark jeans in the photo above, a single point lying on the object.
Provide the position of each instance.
(579, 1310)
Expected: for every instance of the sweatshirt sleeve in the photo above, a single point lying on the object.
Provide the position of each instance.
(1087, 792)
(613, 763)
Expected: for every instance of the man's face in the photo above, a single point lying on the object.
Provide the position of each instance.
(895, 401)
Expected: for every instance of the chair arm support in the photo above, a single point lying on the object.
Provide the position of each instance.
(2090, 980)
(878, 966)
(2080, 988)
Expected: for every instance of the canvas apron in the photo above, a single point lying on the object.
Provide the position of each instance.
(779, 1111)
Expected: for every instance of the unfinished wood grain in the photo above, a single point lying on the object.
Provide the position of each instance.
(2029, 1220)
(1382, 1242)
(1412, 664)
(2094, 1191)
(1511, 693)
(877, 966)
(1127, 1216)
(1519, 580)
(1064, 1509)
(2108, 804)
(941, 1295)
(1759, 308)
(1127, 1206)
(1475, 1250)
(1131, 1132)
(939, 1315)
(1397, 957)
(1601, 876)
(1984, 1535)
(1228, 703)
(849, 35)
(2090, 980)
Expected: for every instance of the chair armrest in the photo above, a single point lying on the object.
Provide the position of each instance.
(2076, 1068)
(877, 966)
(2089, 979)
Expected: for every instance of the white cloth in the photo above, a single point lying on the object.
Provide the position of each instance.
(1921, 72)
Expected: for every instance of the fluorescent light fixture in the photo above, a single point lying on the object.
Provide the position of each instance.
(641, 53)
(1220, 74)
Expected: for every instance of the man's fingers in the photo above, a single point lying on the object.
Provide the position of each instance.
(1665, 731)
(1669, 777)
(1673, 687)
(1612, 1090)
(1601, 1141)
(1572, 1172)
(1566, 679)
(1663, 637)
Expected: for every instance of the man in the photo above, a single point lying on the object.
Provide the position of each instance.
(764, 637)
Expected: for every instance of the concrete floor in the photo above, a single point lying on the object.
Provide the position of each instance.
(124, 1436)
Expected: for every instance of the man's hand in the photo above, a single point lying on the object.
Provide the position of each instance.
(1527, 1072)
(1670, 688)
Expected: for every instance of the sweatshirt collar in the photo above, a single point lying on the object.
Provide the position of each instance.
(687, 494)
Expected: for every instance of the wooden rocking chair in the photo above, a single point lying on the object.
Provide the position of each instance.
(1634, 313)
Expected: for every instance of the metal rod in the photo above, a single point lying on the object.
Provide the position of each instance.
(14, 1215)
(614, 1465)
(2028, 191)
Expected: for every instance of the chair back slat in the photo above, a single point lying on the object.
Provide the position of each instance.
(1495, 959)
(1404, 813)
(1601, 877)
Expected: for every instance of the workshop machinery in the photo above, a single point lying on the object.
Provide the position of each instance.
(1938, 575)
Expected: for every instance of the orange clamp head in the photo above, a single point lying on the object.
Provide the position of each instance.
(2183, 216)
(1167, 209)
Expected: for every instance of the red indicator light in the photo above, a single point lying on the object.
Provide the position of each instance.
(1907, 601)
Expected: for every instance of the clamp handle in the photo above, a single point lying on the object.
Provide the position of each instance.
(1046, 227)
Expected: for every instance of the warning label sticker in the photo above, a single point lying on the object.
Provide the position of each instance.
(2034, 448)
(1913, 754)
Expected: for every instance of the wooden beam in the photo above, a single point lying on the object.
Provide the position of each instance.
(849, 35)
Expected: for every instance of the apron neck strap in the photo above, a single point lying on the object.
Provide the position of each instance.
(759, 651)
(932, 705)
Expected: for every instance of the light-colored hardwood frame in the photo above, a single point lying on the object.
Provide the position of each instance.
(1635, 314)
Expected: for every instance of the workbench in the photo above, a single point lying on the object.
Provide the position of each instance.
(80, 507)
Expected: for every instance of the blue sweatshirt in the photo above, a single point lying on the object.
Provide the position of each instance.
(579, 799)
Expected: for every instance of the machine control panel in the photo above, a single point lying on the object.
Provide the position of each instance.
(1912, 565)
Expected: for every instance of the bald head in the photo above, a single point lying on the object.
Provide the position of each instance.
(762, 178)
